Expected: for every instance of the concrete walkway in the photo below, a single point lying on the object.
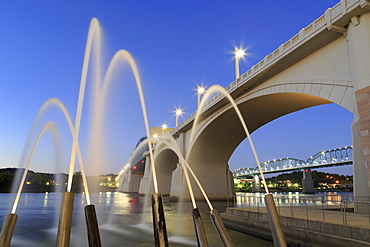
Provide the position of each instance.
(309, 226)
(331, 214)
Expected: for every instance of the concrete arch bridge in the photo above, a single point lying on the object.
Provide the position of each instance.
(326, 62)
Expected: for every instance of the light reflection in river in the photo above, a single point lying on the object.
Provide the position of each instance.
(124, 220)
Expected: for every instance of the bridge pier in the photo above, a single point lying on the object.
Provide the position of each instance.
(130, 182)
(307, 183)
(256, 184)
(176, 182)
(146, 182)
(359, 45)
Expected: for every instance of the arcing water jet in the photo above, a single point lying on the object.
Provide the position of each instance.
(275, 225)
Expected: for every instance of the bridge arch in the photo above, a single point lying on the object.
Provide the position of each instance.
(166, 161)
(217, 136)
(304, 93)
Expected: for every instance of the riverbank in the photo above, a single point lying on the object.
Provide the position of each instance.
(304, 228)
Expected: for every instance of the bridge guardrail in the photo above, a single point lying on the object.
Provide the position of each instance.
(308, 207)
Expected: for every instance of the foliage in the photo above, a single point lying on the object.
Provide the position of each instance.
(293, 181)
(6, 179)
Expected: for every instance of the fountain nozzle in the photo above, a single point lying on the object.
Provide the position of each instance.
(220, 229)
(8, 229)
(159, 222)
(92, 226)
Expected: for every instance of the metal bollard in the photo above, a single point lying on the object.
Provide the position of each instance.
(92, 226)
(220, 229)
(65, 220)
(8, 229)
(274, 221)
(159, 222)
(199, 228)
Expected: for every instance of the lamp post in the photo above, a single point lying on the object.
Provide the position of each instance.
(178, 113)
(200, 90)
(164, 127)
(238, 54)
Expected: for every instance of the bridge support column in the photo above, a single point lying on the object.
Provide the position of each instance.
(146, 182)
(358, 37)
(130, 182)
(256, 184)
(176, 182)
(230, 182)
(359, 168)
(307, 183)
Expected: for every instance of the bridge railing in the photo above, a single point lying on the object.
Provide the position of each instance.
(346, 210)
(325, 21)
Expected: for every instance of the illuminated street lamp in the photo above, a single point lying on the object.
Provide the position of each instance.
(238, 54)
(164, 127)
(178, 113)
(200, 90)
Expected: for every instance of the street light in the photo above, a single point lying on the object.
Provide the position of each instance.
(238, 54)
(178, 113)
(200, 90)
(164, 127)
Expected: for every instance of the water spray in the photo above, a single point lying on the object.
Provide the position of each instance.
(11, 219)
(160, 232)
(65, 218)
(275, 225)
(197, 219)
(90, 214)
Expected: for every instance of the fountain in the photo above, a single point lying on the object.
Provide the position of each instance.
(273, 217)
(159, 223)
(66, 212)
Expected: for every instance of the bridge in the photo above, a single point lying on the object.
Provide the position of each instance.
(325, 62)
(327, 158)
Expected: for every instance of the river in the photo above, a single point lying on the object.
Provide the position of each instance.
(124, 220)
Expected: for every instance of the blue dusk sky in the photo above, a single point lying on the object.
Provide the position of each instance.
(177, 45)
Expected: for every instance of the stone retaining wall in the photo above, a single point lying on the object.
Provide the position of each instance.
(298, 232)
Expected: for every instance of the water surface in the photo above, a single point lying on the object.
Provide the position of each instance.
(124, 220)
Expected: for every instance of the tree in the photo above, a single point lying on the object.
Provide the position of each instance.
(6, 179)
(77, 182)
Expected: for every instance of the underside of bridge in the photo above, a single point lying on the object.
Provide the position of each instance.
(334, 50)
(220, 135)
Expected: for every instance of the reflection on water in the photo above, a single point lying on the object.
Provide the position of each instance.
(291, 199)
(124, 220)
